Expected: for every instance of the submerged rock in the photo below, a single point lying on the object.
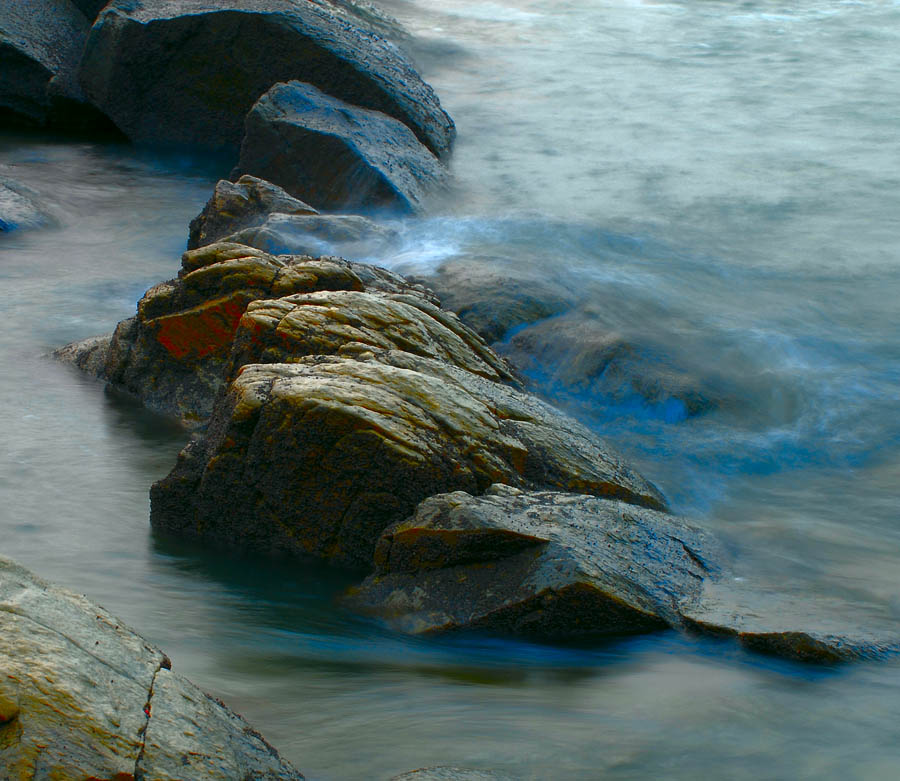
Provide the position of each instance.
(334, 155)
(235, 206)
(321, 455)
(82, 696)
(447, 773)
(347, 235)
(40, 46)
(174, 355)
(188, 71)
(545, 565)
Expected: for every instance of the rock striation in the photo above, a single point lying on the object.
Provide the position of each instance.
(174, 355)
(187, 72)
(334, 155)
(83, 696)
(321, 455)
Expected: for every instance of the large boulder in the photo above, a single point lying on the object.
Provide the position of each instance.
(174, 355)
(546, 565)
(336, 156)
(82, 696)
(40, 46)
(19, 207)
(236, 206)
(558, 566)
(187, 71)
(320, 456)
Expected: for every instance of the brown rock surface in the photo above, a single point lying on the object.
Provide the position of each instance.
(319, 456)
(82, 696)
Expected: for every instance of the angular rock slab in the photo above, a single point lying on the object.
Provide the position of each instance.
(336, 156)
(40, 40)
(188, 71)
(326, 323)
(175, 354)
(83, 696)
(544, 565)
(235, 206)
(320, 456)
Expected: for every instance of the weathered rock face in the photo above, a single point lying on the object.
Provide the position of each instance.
(347, 235)
(187, 71)
(82, 696)
(330, 323)
(557, 566)
(174, 355)
(334, 155)
(236, 206)
(40, 41)
(19, 207)
(90, 8)
(319, 456)
(537, 564)
(492, 299)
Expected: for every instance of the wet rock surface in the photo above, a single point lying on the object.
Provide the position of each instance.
(546, 565)
(239, 205)
(174, 355)
(187, 71)
(334, 155)
(83, 696)
(319, 456)
(19, 207)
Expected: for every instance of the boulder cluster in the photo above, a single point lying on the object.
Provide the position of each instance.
(342, 413)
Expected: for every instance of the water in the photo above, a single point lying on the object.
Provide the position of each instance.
(716, 182)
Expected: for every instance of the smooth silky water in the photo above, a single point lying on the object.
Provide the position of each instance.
(717, 182)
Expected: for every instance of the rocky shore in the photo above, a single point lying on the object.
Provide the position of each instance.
(339, 410)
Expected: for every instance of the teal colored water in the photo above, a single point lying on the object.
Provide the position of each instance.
(719, 181)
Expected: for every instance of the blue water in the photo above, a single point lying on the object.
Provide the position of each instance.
(716, 183)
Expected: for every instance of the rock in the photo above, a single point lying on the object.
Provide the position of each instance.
(334, 155)
(347, 235)
(558, 567)
(320, 456)
(243, 204)
(40, 40)
(493, 297)
(544, 565)
(174, 355)
(83, 696)
(19, 207)
(446, 773)
(581, 353)
(778, 624)
(90, 8)
(187, 71)
(331, 322)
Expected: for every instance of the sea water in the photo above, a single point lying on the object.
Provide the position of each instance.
(719, 183)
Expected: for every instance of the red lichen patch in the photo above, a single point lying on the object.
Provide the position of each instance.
(203, 330)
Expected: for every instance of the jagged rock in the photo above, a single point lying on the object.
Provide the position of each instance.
(493, 298)
(19, 207)
(83, 696)
(40, 41)
(90, 8)
(235, 206)
(321, 455)
(558, 566)
(347, 235)
(547, 565)
(336, 156)
(584, 355)
(174, 355)
(328, 323)
(188, 71)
